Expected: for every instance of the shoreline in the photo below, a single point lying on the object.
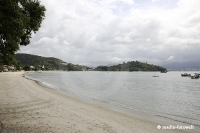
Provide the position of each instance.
(28, 107)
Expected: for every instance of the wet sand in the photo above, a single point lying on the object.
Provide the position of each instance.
(28, 107)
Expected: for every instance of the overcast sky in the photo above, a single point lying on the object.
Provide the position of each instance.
(102, 32)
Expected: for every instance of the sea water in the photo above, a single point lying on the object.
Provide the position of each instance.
(169, 98)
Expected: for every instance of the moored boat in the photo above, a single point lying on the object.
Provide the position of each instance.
(196, 76)
(163, 71)
(186, 75)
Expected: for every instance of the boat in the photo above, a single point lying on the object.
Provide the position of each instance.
(163, 71)
(186, 75)
(196, 76)
(155, 76)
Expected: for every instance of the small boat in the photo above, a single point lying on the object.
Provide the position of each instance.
(155, 76)
(196, 76)
(186, 75)
(163, 71)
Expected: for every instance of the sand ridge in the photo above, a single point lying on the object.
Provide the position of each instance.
(28, 107)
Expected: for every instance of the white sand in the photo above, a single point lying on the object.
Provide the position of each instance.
(27, 107)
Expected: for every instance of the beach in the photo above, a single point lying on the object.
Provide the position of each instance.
(28, 107)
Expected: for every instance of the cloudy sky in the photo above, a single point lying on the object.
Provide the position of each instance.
(102, 32)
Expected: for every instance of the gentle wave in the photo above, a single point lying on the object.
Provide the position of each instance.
(42, 83)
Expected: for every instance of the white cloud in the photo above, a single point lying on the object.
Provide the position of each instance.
(154, 0)
(99, 32)
(189, 4)
(128, 1)
(170, 58)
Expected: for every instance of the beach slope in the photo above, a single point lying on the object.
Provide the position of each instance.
(28, 107)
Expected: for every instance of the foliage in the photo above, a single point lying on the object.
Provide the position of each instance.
(18, 20)
(1, 67)
(27, 68)
(102, 68)
(50, 63)
(131, 66)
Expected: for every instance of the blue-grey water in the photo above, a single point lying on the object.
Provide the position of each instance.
(169, 98)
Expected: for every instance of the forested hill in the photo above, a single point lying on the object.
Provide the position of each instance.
(131, 66)
(50, 63)
(33, 60)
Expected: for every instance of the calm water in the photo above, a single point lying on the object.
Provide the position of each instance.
(169, 98)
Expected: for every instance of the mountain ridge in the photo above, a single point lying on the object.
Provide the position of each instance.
(52, 63)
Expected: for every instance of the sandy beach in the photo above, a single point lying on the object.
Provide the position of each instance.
(28, 107)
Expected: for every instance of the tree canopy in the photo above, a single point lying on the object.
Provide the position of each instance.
(18, 20)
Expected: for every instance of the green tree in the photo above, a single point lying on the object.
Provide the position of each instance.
(27, 68)
(18, 20)
(1, 68)
(70, 67)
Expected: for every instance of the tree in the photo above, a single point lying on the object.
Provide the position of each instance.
(70, 67)
(27, 68)
(18, 20)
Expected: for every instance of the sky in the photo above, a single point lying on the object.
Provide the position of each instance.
(106, 32)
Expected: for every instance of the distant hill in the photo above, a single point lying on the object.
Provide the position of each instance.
(50, 63)
(34, 60)
(182, 65)
(131, 66)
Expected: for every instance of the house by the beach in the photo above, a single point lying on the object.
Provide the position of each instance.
(6, 68)
(11, 68)
(32, 67)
